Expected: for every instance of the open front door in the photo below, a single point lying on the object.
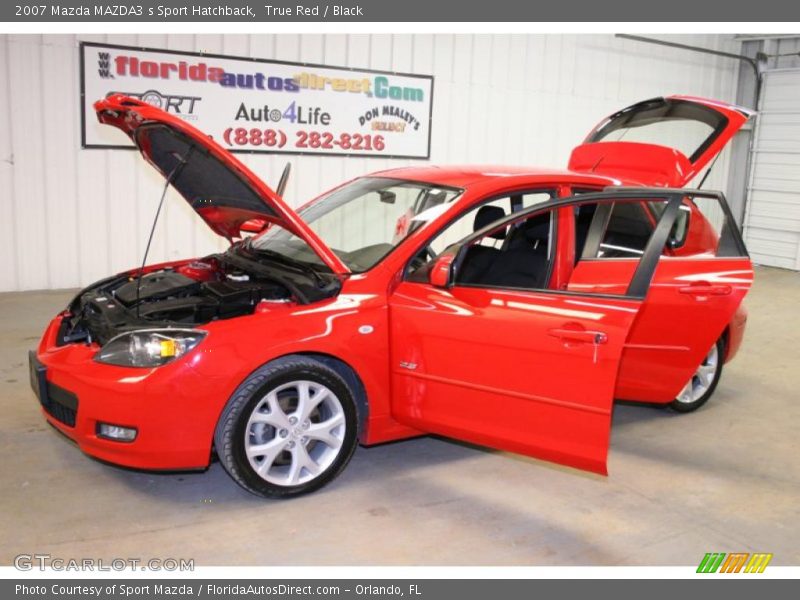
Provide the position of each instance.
(493, 356)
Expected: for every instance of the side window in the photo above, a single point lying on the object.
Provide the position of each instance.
(534, 198)
(617, 230)
(677, 237)
(709, 230)
(474, 219)
(610, 241)
(702, 229)
(522, 261)
(652, 211)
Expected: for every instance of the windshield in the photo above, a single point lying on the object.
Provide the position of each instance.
(361, 222)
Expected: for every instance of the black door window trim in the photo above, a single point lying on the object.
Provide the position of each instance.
(731, 243)
(521, 192)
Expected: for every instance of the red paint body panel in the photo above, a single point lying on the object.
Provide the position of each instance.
(674, 330)
(645, 163)
(735, 332)
(528, 400)
(157, 401)
(509, 369)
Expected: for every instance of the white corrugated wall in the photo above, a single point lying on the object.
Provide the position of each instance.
(70, 216)
(772, 216)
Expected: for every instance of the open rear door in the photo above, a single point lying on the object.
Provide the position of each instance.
(693, 299)
(512, 364)
(659, 142)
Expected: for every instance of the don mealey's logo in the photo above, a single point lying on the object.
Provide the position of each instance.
(393, 118)
(182, 106)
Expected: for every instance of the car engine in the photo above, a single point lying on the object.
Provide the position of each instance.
(194, 293)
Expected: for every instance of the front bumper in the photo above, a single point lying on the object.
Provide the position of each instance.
(174, 408)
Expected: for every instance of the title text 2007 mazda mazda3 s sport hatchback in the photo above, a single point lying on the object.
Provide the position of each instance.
(506, 307)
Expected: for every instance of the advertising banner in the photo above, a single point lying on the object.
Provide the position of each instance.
(254, 105)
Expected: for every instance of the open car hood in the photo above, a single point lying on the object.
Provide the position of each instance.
(659, 142)
(222, 190)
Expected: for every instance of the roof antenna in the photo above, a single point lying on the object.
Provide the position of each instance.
(284, 179)
(169, 180)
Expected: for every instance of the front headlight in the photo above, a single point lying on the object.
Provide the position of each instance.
(150, 347)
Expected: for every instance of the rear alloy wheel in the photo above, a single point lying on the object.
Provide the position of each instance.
(702, 383)
(289, 429)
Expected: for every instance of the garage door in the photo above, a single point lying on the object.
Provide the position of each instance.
(772, 220)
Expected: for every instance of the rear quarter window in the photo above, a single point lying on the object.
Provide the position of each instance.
(624, 235)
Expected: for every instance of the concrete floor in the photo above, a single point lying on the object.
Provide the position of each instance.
(726, 478)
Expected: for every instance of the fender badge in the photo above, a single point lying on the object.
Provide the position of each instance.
(366, 329)
(408, 365)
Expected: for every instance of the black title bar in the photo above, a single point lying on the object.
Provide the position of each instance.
(737, 587)
(175, 11)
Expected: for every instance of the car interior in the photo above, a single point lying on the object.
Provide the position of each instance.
(520, 254)
(520, 257)
(625, 229)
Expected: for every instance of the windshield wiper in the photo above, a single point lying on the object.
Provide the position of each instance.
(304, 288)
(291, 262)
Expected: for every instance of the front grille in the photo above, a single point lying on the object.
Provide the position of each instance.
(60, 404)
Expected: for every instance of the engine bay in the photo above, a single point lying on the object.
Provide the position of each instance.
(190, 294)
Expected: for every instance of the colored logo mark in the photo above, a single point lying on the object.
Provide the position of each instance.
(734, 562)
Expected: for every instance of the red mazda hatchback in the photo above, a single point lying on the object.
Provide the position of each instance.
(507, 307)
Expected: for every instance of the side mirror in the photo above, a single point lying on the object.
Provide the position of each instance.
(441, 271)
(254, 226)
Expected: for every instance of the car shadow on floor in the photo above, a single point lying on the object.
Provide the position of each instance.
(215, 486)
(400, 485)
(369, 464)
(632, 413)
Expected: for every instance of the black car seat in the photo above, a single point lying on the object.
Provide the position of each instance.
(531, 234)
(478, 258)
(628, 231)
(524, 260)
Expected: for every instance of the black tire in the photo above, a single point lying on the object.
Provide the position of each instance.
(682, 406)
(233, 432)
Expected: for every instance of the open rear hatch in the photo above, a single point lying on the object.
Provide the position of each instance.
(659, 142)
(222, 190)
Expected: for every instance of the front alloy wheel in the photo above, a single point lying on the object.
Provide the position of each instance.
(294, 433)
(702, 383)
(289, 429)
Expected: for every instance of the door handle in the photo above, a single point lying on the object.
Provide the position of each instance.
(579, 335)
(706, 289)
